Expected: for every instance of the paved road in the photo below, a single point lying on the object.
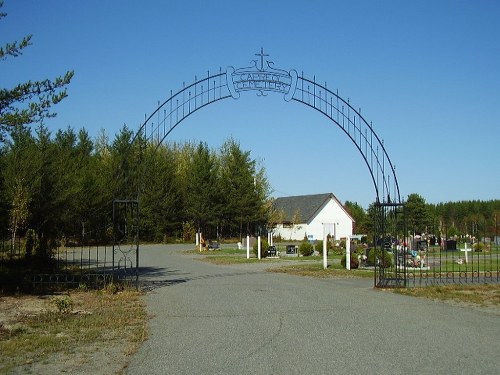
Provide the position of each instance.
(210, 319)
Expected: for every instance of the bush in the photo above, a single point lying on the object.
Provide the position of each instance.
(306, 249)
(319, 246)
(263, 248)
(386, 260)
(354, 261)
(64, 304)
(329, 244)
(478, 247)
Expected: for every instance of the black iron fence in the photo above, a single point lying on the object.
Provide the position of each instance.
(85, 263)
(442, 264)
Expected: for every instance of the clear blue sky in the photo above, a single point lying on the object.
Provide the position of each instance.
(426, 73)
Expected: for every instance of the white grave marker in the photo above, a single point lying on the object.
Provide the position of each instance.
(466, 251)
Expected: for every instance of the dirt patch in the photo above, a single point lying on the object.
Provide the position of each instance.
(14, 309)
(84, 359)
(96, 335)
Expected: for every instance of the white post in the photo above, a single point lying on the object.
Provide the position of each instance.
(201, 240)
(325, 257)
(197, 240)
(348, 253)
(248, 247)
(258, 248)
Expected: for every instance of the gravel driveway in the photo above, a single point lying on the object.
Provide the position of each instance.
(239, 319)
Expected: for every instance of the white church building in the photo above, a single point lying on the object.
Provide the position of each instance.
(308, 216)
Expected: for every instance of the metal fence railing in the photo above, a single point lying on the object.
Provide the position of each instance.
(68, 264)
(439, 265)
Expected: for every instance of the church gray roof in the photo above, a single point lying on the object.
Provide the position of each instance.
(305, 206)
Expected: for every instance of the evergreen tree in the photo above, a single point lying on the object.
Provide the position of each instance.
(28, 102)
(161, 201)
(243, 205)
(201, 194)
(417, 215)
(359, 215)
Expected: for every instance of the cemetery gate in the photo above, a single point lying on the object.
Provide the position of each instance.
(263, 78)
(399, 261)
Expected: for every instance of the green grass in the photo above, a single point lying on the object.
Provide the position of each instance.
(449, 264)
(317, 270)
(223, 259)
(312, 267)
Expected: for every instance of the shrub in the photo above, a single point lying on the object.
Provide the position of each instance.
(64, 304)
(263, 248)
(354, 261)
(306, 249)
(478, 247)
(358, 249)
(386, 260)
(318, 246)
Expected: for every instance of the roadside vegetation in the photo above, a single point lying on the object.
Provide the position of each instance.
(317, 270)
(483, 295)
(297, 265)
(36, 330)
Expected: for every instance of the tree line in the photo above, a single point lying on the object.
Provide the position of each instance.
(63, 185)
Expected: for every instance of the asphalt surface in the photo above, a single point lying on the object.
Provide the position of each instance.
(239, 319)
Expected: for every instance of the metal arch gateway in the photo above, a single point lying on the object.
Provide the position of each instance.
(263, 78)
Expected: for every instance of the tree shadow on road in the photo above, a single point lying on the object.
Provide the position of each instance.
(151, 278)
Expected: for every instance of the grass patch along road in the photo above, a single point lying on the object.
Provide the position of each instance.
(74, 333)
(317, 270)
(481, 295)
(311, 266)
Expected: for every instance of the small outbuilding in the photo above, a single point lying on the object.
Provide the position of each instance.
(308, 216)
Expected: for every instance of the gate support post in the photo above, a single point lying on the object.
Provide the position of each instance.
(126, 240)
(389, 227)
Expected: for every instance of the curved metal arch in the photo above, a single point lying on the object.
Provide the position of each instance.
(217, 87)
(182, 104)
(368, 143)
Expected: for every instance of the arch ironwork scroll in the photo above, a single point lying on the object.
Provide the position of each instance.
(263, 78)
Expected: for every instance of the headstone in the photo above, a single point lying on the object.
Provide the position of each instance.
(451, 245)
